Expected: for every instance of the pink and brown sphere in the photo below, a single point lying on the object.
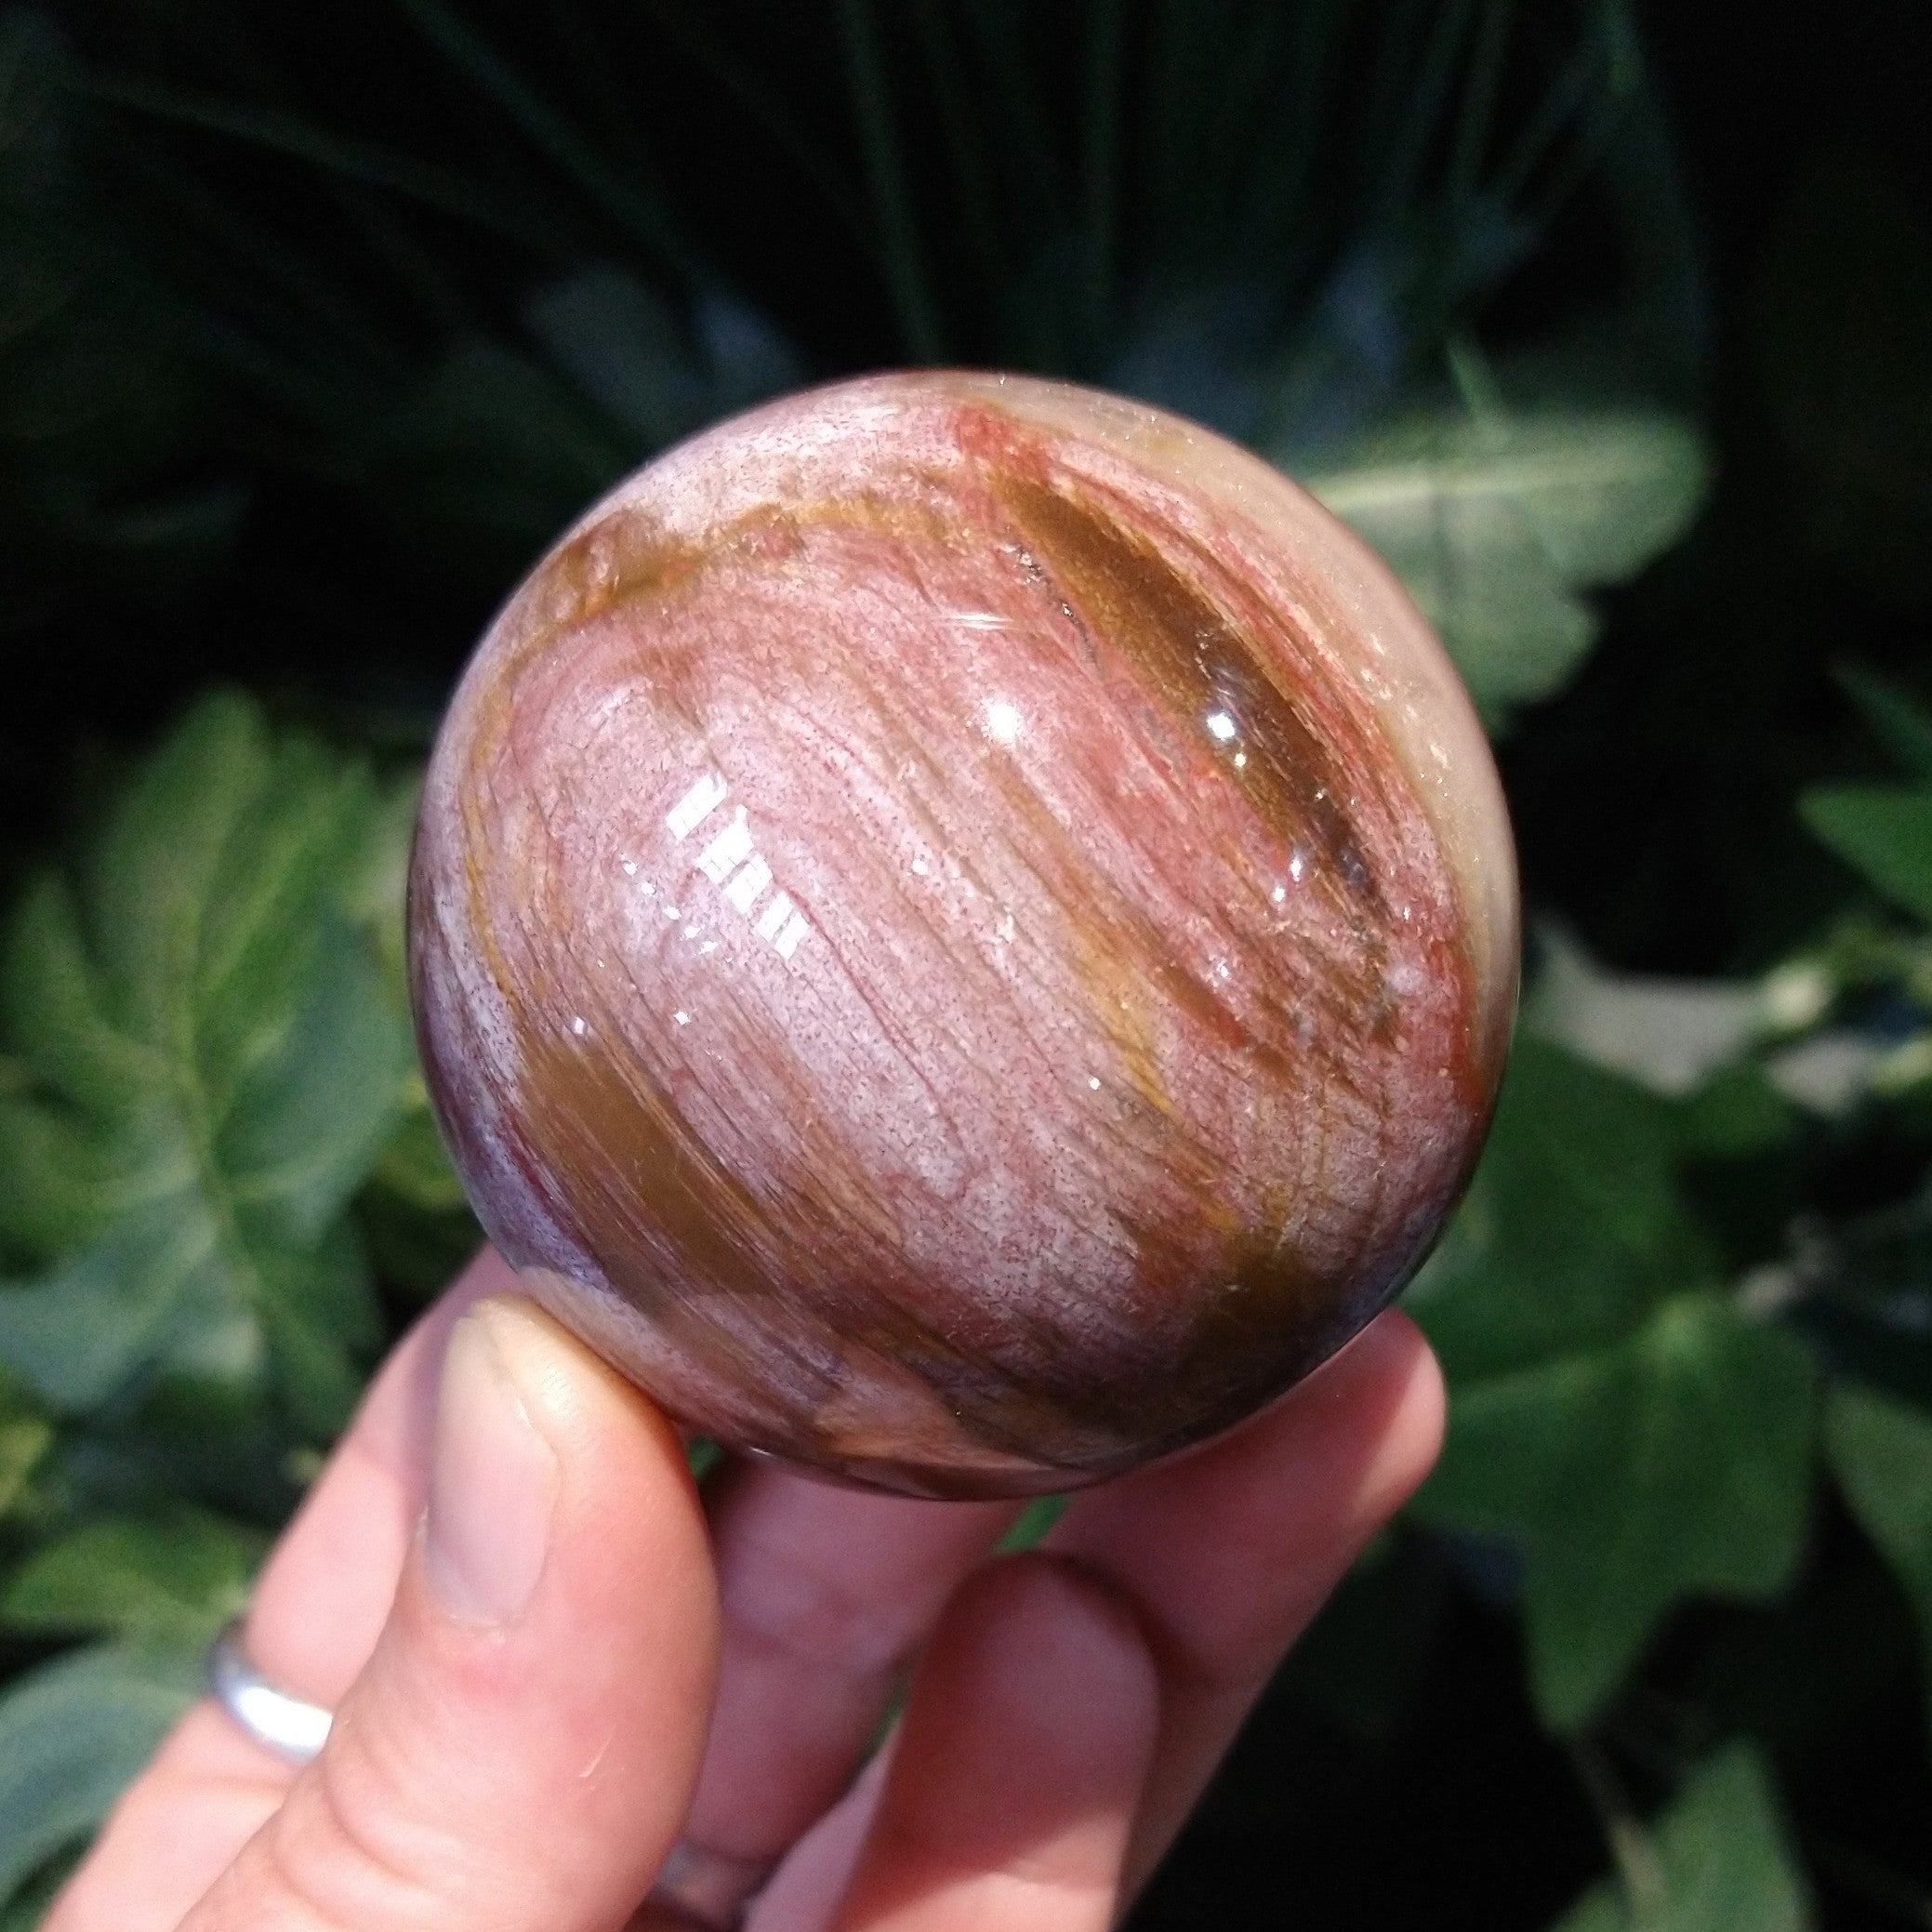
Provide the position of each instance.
(963, 933)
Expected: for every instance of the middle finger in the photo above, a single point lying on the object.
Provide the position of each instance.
(827, 1593)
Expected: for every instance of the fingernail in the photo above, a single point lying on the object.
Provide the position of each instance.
(493, 1476)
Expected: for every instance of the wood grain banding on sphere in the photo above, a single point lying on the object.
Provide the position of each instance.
(963, 933)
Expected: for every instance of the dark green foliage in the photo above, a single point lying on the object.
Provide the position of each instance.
(1885, 832)
(1719, 1863)
(208, 1082)
(1617, 1415)
(71, 1735)
(315, 329)
(209, 1063)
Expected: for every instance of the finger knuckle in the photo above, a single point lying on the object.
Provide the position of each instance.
(351, 1851)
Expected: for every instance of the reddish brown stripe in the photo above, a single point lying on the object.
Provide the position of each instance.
(1191, 653)
(1061, 1150)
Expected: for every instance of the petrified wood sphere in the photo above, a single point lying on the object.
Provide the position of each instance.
(963, 933)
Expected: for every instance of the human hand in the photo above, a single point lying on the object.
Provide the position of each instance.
(551, 1663)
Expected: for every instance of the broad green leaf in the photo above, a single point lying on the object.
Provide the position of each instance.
(413, 1212)
(73, 1735)
(24, 1439)
(79, 1332)
(1612, 1413)
(375, 890)
(415, 1168)
(195, 1010)
(1495, 522)
(1881, 1452)
(1673, 1463)
(174, 1578)
(318, 1316)
(1717, 1862)
(52, 1178)
(1737, 1111)
(1573, 1229)
(1884, 831)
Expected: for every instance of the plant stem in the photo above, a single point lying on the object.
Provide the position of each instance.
(972, 178)
(675, 22)
(1101, 160)
(892, 195)
(1479, 108)
(438, 188)
(1422, 110)
(629, 201)
(1631, 1850)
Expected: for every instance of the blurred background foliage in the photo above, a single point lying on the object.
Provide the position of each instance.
(1609, 326)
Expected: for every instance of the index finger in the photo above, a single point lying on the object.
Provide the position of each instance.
(1224, 1555)
(1227, 1553)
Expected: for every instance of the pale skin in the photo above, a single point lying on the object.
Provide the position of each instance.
(551, 1657)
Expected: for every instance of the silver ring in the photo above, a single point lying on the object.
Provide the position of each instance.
(710, 1889)
(288, 1725)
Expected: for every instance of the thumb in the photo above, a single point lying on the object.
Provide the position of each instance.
(520, 1749)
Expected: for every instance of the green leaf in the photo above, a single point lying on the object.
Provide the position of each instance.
(1717, 1862)
(411, 1212)
(196, 1011)
(79, 1333)
(1033, 1522)
(1573, 1230)
(24, 1439)
(415, 1168)
(173, 1578)
(52, 1177)
(1612, 1413)
(1495, 522)
(1675, 1463)
(1884, 831)
(1881, 1452)
(73, 1735)
(374, 888)
(319, 1317)
(1736, 1113)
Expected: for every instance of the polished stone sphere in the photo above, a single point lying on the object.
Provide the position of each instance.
(963, 933)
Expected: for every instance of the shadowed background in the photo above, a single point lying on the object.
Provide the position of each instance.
(1609, 326)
